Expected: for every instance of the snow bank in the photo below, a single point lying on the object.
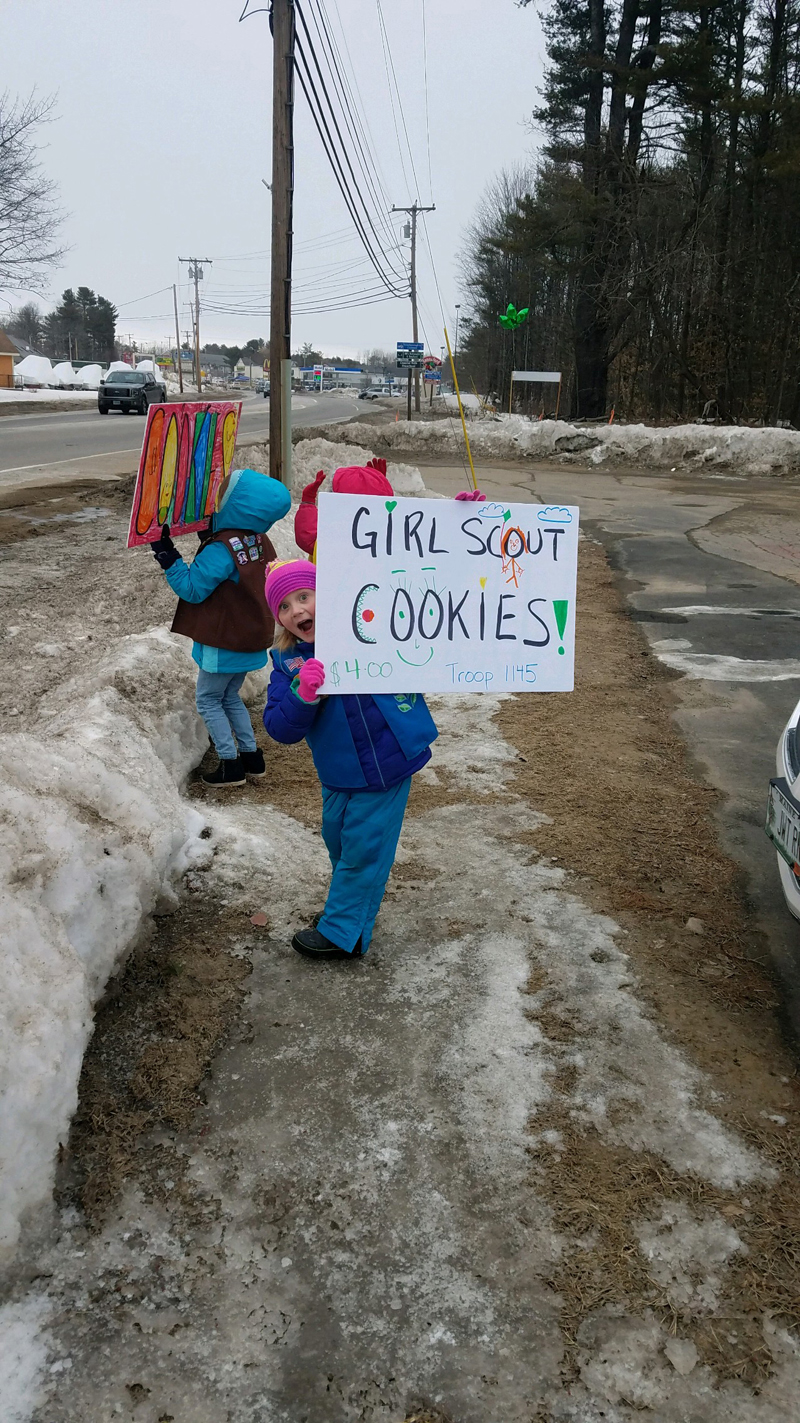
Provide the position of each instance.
(310, 456)
(733, 448)
(92, 832)
(32, 397)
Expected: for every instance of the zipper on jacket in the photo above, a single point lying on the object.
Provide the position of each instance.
(372, 744)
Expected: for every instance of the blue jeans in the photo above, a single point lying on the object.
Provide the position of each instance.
(361, 830)
(224, 712)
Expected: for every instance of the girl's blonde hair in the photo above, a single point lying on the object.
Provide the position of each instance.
(284, 640)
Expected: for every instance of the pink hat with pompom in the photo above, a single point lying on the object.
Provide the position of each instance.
(285, 578)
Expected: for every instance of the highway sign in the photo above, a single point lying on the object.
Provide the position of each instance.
(410, 355)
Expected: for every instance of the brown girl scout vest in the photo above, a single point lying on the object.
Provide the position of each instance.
(235, 616)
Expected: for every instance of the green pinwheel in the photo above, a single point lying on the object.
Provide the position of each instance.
(511, 318)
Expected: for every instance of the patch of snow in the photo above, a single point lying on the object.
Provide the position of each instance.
(682, 1354)
(687, 1254)
(713, 667)
(24, 1346)
(702, 610)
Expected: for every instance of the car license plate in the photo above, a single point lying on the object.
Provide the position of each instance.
(783, 820)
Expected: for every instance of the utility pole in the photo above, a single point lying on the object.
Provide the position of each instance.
(282, 20)
(413, 210)
(177, 336)
(196, 273)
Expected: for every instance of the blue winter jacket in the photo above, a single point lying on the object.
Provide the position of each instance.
(252, 502)
(358, 743)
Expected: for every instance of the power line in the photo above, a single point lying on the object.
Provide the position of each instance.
(328, 144)
(385, 44)
(391, 276)
(350, 112)
(427, 110)
(146, 297)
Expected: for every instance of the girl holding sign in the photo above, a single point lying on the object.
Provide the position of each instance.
(365, 750)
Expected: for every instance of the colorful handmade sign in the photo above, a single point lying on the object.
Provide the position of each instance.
(417, 595)
(511, 318)
(186, 454)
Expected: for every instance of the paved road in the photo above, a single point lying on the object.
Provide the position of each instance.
(31, 441)
(711, 569)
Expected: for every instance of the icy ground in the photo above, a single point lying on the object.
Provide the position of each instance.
(735, 449)
(367, 1226)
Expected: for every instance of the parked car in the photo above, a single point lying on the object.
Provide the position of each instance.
(128, 391)
(783, 811)
(370, 394)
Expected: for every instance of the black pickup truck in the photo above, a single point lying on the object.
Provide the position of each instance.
(129, 390)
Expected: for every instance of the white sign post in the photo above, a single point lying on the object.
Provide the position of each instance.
(429, 595)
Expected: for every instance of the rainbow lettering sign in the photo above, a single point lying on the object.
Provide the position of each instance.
(186, 454)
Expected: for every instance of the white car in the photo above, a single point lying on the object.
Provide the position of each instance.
(783, 811)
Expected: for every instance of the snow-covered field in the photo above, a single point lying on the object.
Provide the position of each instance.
(34, 397)
(734, 449)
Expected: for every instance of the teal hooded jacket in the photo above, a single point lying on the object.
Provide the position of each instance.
(252, 502)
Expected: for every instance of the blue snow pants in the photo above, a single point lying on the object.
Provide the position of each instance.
(361, 830)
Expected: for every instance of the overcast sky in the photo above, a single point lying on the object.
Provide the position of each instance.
(162, 138)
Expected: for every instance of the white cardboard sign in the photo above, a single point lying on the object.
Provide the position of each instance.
(434, 595)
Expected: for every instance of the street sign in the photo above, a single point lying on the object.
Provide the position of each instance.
(545, 377)
(410, 355)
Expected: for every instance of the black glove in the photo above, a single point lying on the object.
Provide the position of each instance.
(205, 532)
(164, 550)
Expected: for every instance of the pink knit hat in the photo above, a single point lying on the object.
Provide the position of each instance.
(285, 578)
(362, 479)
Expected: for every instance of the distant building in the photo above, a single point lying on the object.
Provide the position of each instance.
(8, 353)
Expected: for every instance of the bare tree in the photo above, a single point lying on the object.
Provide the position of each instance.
(29, 214)
(26, 322)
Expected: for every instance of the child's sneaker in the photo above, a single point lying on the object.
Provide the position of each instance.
(314, 945)
(253, 763)
(228, 773)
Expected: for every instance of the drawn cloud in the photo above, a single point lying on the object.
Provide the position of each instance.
(490, 511)
(554, 513)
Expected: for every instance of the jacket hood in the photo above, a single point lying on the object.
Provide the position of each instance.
(249, 500)
(359, 479)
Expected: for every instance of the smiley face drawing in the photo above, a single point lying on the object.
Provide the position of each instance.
(363, 614)
(410, 662)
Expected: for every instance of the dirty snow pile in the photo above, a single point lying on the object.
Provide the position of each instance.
(94, 834)
(733, 448)
(310, 456)
(93, 831)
